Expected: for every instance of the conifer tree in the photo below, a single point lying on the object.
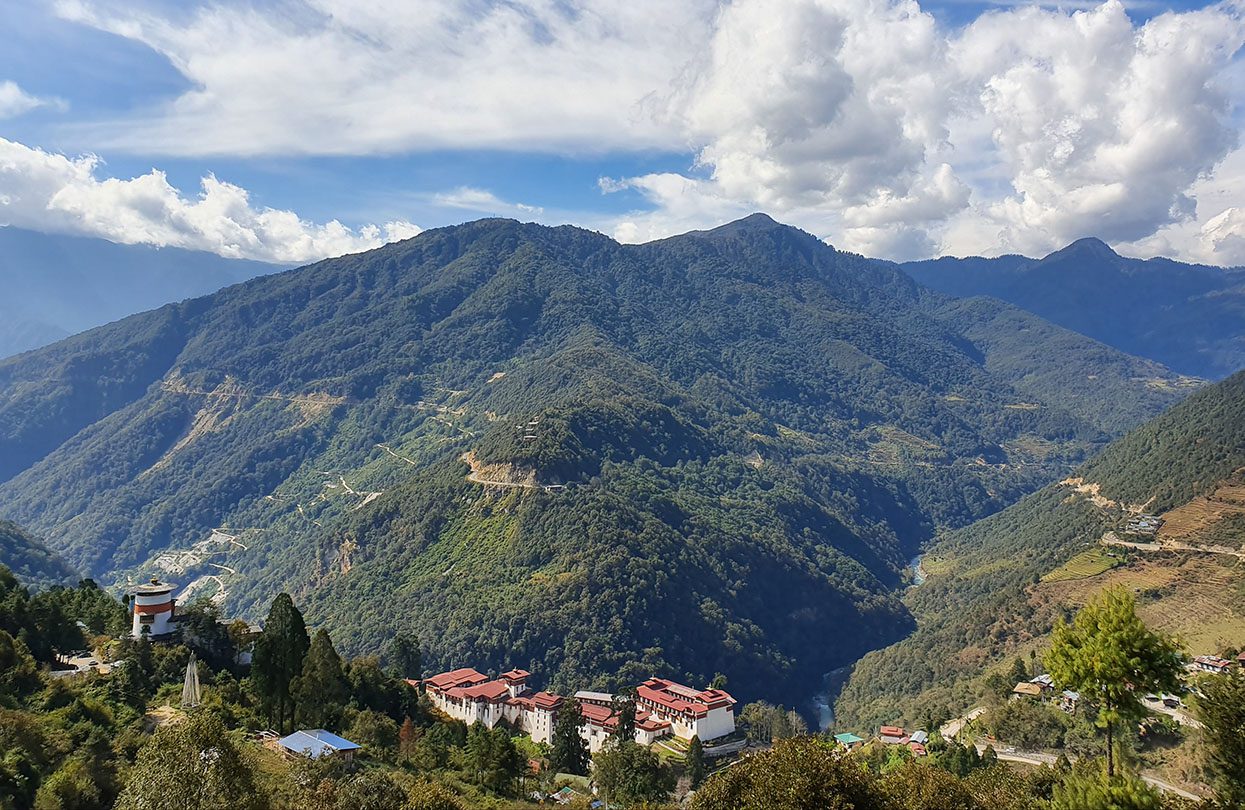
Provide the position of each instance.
(1110, 657)
(570, 749)
(278, 660)
(406, 657)
(192, 764)
(320, 692)
(623, 709)
(1222, 711)
(696, 761)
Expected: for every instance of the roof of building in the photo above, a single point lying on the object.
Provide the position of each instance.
(921, 737)
(682, 699)
(315, 743)
(1068, 694)
(848, 738)
(155, 586)
(546, 700)
(917, 748)
(892, 731)
(1213, 661)
(603, 717)
(516, 675)
(1043, 680)
(491, 691)
(1026, 688)
(465, 676)
(594, 697)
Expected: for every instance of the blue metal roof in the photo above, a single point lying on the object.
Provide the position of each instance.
(316, 743)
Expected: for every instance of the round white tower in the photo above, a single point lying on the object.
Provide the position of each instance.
(153, 609)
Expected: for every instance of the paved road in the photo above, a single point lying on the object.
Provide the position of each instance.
(952, 729)
(1040, 758)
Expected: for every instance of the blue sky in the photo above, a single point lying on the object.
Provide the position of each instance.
(977, 129)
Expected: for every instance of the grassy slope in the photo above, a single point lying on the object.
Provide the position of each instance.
(985, 602)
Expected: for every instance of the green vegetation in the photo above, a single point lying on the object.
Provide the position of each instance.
(757, 430)
(1087, 564)
(30, 560)
(984, 605)
(1221, 709)
(1109, 656)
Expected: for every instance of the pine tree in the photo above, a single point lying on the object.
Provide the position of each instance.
(406, 657)
(623, 709)
(278, 660)
(570, 749)
(1110, 657)
(1222, 711)
(320, 692)
(696, 761)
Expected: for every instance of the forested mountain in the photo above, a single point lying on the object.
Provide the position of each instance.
(29, 559)
(55, 286)
(537, 447)
(1189, 317)
(995, 587)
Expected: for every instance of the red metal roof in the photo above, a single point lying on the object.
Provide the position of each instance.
(682, 699)
(492, 691)
(465, 676)
(893, 731)
(516, 675)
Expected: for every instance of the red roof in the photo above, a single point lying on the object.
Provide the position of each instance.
(893, 731)
(492, 691)
(516, 675)
(546, 700)
(682, 699)
(603, 717)
(458, 677)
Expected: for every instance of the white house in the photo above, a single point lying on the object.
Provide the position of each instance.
(471, 697)
(152, 610)
(704, 713)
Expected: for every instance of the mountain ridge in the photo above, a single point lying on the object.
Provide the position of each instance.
(752, 402)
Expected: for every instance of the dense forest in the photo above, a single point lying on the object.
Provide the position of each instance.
(977, 609)
(30, 559)
(714, 452)
(1189, 317)
(123, 735)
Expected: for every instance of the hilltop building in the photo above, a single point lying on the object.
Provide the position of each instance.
(663, 708)
(704, 713)
(470, 696)
(152, 609)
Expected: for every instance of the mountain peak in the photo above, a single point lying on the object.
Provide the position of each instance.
(1090, 246)
(753, 223)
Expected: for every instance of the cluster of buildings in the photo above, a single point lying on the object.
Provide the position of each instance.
(914, 741)
(1043, 688)
(663, 708)
(1144, 524)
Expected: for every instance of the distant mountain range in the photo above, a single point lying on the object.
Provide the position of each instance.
(537, 447)
(30, 560)
(1189, 317)
(56, 286)
(994, 588)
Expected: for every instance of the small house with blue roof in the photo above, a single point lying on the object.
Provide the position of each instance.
(316, 743)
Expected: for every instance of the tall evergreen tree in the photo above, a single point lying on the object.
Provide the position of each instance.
(623, 709)
(320, 692)
(1110, 657)
(570, 749)
(696, 761)
(1222, 711)
(406, 657)
(278, 660)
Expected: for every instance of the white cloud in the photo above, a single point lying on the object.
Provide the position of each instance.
(864, 121)
(484, 202)
(53, 192)
(15, 101)
(343, 77)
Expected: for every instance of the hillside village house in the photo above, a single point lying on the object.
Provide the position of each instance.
(663, 708)
(1212, 664)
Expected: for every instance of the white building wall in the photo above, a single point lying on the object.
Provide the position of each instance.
(718, 723)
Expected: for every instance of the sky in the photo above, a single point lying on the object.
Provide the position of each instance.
(292, 130)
